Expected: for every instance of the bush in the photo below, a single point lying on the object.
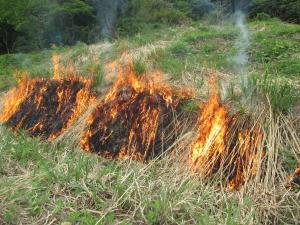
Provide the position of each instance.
(288, 10)
(32, 25)
(142, 13)
(262, 16)
(199, 8)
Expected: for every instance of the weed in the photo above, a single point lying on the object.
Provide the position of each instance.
(45, 182)
(139, 67)
(11, 215)
(165, 61)
(153, 211)
(281, 95)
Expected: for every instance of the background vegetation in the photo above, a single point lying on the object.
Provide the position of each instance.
(56, 183)
(34, 24)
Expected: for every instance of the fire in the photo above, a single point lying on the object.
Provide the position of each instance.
(221, 147)
(245, 158)
(56, 66)
(294, 180)
(135, 117)
(46, 107)
(210, 144)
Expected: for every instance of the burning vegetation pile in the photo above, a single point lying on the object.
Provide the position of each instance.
(137, 118)
(140, 117)
(46, 107)
(226, 145)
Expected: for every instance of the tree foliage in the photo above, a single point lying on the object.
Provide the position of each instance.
(34, 24)
(288, 10)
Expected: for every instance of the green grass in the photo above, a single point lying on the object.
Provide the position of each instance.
(71, 186)
(276, 47)
(282, 96)
(41, 182)
(39, 64)
(204, 45)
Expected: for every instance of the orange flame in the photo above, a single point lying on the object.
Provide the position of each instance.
(47, 107)
(214, 151)
(246, 158)
(294, 180)
(130, 115)
(56, 66)
(210, 143)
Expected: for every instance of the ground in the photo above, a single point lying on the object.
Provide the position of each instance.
(56, 182)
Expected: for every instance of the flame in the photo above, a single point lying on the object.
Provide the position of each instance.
(245, 158)
(130, 119)
(213, 150)
(56, 66)
(297, 171)
(46, 107)
(294, 180)
(210, 143)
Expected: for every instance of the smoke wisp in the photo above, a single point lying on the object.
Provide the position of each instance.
(107, 14)
(242, 44)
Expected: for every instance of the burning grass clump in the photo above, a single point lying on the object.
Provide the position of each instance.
(227, 145)
(137, 118)
(46, 107)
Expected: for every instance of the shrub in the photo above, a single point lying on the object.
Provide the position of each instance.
(262, 16)
(142, 13)
(288, 10)
(199, 8)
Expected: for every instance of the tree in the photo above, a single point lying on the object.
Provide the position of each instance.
(35, 24)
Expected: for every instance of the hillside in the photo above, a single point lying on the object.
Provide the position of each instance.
(45, 182)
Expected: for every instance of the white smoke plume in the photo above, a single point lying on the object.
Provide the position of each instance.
(240, 60)
(242, 44)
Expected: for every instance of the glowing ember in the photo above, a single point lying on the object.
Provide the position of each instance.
(45, 107)
(295, 179)
(135, 119)
(243, 160)
(221, 147)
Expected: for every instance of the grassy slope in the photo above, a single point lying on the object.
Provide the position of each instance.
(42, 183)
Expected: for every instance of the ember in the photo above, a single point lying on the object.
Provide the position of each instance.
(295, 179)
(45, 107)
(137, 118)
(225, 144)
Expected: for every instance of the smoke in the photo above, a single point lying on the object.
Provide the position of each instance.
(107, 14)
(242, 44)
(240, 60)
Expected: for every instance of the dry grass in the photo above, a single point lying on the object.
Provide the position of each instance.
(2, 97)
(202, 79)
(63, 184)
(144, 51)
(164, 191)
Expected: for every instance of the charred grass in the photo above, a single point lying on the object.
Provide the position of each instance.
(42, 183)
(52, 183)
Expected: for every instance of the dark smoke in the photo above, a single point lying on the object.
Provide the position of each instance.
(107, 13)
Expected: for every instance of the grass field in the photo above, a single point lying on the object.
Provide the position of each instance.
(57, 183)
